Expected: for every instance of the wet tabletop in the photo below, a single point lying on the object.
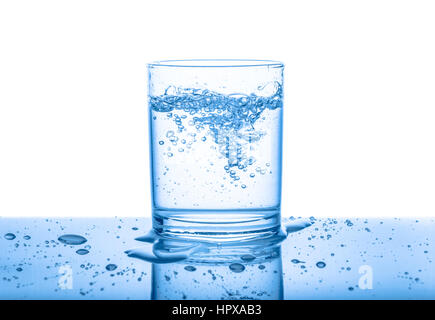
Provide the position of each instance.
(86, 258)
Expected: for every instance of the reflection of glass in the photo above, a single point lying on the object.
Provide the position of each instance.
(215, 141)
(251, 271)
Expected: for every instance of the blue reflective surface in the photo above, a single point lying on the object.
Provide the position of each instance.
(85, 258)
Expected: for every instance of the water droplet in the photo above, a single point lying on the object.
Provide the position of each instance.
(19, 269)
(111, 267)
(26, 237)
(161, 142)
(9, 236)
(150, 237)
(296, 261)
(320, 264)
(261, 267)
(82, 252)
(189, 268)
(247, 257)
(170, 154)
(237, 267)
(72, 239)
(243, 186)
(296, 225)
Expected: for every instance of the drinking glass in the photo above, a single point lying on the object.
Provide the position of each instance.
(216, 148)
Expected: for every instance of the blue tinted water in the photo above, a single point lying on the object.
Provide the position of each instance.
(212, 151)
(325, 259)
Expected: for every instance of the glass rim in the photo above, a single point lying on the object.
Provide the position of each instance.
(216, 63)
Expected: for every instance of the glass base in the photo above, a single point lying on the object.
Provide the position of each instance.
(217, 225)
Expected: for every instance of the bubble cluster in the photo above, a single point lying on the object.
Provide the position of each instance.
(226, 122)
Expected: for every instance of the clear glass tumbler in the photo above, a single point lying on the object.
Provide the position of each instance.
(216, 148)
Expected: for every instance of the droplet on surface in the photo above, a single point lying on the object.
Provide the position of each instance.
(72, 239)
(297, 225)
(320, 264)
(296, 261)
(190, 268)
(9, 236)
(237, 267)
(111, 267)
(26, 237)
(247, 257)
(148, 255)
(82, 252)
(150, 237)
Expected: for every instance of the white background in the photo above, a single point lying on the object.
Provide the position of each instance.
(359, 108)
